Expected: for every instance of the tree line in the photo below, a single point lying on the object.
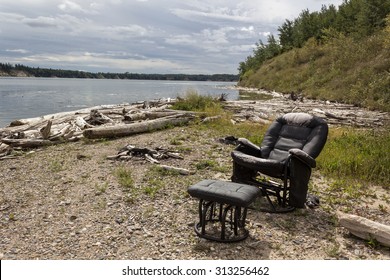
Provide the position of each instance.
(7, 69)
(353, 18)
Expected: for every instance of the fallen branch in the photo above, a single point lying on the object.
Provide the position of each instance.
(181, 171)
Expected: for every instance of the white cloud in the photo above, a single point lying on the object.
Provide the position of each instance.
(125, 31)
(181, 40)
(10, 17)
(72, 7)
(22, 51)
(67, 6)
(41, 22)
(210, 16)
(192, 35)
(249, 29)
(96, 60)
(265, 34)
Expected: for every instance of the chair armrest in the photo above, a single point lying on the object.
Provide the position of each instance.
(303, 156)
(247, 147)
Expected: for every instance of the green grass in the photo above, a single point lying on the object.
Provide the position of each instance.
(101, 188)
(124, 177)
(357, 156)
(154, 180)
(56, 166)
(206, 164)
(126, 181)
(250, 95)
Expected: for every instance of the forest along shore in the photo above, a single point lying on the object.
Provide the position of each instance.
(109, 121)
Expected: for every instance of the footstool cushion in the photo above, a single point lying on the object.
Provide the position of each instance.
(225, 192)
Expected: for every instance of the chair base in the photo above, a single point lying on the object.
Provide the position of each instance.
(275, 194)
(264, 203)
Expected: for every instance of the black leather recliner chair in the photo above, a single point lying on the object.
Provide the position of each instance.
(288, 152)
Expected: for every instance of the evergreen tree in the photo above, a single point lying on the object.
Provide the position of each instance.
(286, 35)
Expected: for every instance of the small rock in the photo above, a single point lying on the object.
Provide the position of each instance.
(357, 252)
(80, 156)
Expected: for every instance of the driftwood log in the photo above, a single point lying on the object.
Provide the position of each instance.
(365, 228)
(29, 143)
(147, 115)
(135, 128)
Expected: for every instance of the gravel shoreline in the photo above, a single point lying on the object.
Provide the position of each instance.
(65, 202)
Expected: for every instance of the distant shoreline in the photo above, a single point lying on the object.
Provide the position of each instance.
(9, 70)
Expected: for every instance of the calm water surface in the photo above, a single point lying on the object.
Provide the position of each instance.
(32, 97)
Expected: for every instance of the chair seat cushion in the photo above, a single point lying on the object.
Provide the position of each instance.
(224, 192)
(268, 167)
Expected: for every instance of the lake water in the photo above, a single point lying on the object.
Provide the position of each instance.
(32, 97)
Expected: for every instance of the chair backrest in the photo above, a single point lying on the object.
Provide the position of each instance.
(294, 130)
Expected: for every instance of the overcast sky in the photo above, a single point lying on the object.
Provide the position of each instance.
(141, 36)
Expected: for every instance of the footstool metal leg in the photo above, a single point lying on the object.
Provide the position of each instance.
(223, 222)
(237, 214)
(203, 207)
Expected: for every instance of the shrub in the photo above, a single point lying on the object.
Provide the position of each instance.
(124, 177)
(193, 101)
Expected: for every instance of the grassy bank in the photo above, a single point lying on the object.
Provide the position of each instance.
(341, 69)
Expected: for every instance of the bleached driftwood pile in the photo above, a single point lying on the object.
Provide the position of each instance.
(153, 155)
(126, 119)
(130, 152)
(107, 121)
(265, 111)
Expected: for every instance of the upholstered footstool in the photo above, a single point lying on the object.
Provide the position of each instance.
(223, 209)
